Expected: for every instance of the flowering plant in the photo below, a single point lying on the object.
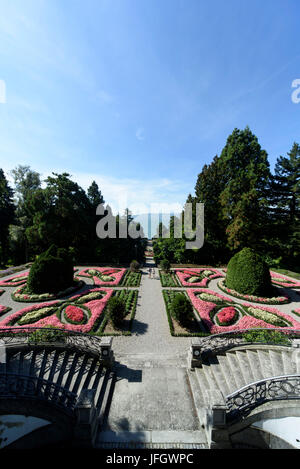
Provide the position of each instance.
(284, 281)
(256, 299)
(14, 281)
(103, 275)
(197, 277)
(254, 317)
(53, 316)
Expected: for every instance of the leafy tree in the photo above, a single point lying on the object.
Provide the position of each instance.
(7, 211)
(26, 183)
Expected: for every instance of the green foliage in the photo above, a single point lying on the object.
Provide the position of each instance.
(47, 335)
(182, 309)
(7, 211)
(165, 265)
(116, 310)
(51, 272)
(134, 266)
(248, 274)
(266, 336)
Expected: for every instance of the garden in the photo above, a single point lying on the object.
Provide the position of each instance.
(60, 296)
(246, 279)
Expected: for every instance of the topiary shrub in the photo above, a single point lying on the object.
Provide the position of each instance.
(116, 310)
(51, 272)
(247, 273)
(165, 265)
(134, 266)
(182, 309)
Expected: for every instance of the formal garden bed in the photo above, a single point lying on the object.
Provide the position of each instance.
(81, 313)
(103, 276)
(284, 281)
(219, 313)
(131, 279)
(4, 310)
(197, 277)
(191, 329)
(106, 327)
(22, 295)
(274, 300)
(168, 279)
(15, 281)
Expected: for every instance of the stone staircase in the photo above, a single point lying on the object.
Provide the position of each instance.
(72, 370)
(238, 368)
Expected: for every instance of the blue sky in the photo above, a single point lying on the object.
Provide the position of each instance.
(140, 94)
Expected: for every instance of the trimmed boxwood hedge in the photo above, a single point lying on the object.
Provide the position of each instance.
(247, 273)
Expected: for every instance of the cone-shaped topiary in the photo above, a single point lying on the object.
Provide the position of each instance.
(248, 274)
(51, 272)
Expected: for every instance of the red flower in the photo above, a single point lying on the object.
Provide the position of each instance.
(226, 315)
(74, 313)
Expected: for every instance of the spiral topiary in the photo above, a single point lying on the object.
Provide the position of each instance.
(247, 273)
(51, 272)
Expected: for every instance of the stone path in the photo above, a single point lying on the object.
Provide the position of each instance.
(152, 401)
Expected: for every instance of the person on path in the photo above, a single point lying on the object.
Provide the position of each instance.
(149, 272)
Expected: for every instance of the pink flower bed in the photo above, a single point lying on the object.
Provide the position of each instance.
(117, 274)
(74, 313)
(204, 308)
(257, 299)
(292, 282)
(10, 283)
(185, 274)
(226, 315)
(96, 307)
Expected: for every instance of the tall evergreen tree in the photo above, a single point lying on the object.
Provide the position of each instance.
(245, 175)
(285, 206)
(7, 210)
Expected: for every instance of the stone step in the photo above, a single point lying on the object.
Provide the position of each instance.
(276, 363)
(236, 371)
(289, 366)
(265, 363)
(219, 375)
(198, 396)
(254, 365)
(104, 395)
(152, 439)
(231, 384)
(246, 369)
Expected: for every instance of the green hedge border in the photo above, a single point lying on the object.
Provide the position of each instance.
(171, 275)
(99, 327)
(131, 282)
(170, 320)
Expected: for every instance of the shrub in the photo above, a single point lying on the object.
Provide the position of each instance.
(247, 273)
(268, 337)
(116, 310)
(47, 335)
(134, 266)
(182, 309)
(165, 265)
(51, 272)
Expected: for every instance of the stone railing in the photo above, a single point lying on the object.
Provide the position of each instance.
(276, 388)
(15, 386)
(56, 337)
(218, 343)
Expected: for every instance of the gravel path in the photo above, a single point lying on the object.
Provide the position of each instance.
(151, 338)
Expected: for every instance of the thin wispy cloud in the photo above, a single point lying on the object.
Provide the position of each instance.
(140, 133)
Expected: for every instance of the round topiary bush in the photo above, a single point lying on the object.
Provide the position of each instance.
(51, 272)
(134, 266)
(247, 273)
(182, 309)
